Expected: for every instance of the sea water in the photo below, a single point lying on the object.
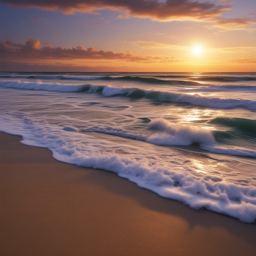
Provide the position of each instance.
(190, 137)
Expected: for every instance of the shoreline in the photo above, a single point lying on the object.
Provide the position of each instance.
(53, 208)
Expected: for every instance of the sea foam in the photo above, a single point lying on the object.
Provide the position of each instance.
(181, 135)
(172, 179)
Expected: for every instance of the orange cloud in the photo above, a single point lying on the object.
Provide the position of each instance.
(160, 10)
(154, 9)
(32, 50)
(235, 24)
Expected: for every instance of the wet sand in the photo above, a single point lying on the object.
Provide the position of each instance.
(52, 208)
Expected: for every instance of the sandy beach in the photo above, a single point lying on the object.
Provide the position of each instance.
(52, 208)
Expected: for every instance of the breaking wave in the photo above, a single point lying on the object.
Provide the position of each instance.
(181, 135)
(241, 124)
(136, 93)
(165, 133)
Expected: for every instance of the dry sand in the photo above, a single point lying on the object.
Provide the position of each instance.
(51, 208)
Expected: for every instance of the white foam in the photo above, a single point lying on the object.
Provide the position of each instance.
(170, 179)
(233, 151)
(178, 134)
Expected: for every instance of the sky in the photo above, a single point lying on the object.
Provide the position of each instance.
(128, 35)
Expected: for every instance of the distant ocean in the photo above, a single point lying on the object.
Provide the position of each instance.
(190, 137)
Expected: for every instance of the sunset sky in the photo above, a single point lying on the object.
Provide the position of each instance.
(123, 35)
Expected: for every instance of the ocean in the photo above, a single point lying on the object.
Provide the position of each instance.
(189, 137)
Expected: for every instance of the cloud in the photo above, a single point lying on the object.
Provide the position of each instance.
(154, 9)
(167, 10)
(32, 50)
(10, 66)
(235, 24)
(158, 45)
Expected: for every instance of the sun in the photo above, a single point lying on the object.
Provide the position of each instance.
(197, 50)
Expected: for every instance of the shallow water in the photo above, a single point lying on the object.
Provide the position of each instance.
(189, 137)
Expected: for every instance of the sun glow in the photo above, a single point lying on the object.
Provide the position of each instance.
(197, 50)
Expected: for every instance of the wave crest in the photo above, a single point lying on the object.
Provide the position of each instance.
(240, 124)
(161, 96)
(180, 135)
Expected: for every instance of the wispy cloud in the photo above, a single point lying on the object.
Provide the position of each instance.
(245, 23)
(158, 45)
(32, 50)
(153, 44)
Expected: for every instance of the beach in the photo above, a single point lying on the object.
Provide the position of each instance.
(53, 208)
(127, 128)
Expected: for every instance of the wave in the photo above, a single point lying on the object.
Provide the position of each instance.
(180, 135)
(167, 134)
(141, 79)
(179, 79)
(52, 77)
(29, 76)
(37, 86)
(225, 88)
(173, 76)
(136, 93)
(213, 78)
(116, 132)
(224, 78)
(235, 151)
(150, 80)
(241, 124)
(83, 78)
(170, 179)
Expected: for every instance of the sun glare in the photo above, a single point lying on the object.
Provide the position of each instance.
(198, 50)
